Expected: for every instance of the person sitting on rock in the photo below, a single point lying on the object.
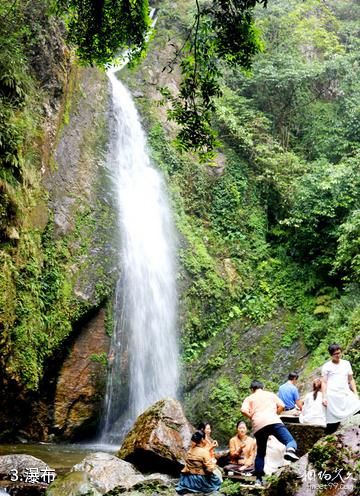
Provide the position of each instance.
(242, 451)
(211, 444)
(313, 411)
(198, 474)
(289, 394)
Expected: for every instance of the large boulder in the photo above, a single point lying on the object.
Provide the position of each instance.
(101, 473)
(12, 466)
(108, 471)
(74, 484)
(305, 435)
(24, 475)
(331, 466)
(159, 439)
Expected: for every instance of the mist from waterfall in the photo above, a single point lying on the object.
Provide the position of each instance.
(145, 337)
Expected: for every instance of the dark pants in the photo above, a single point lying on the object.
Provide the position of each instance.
(331, 428)
(281, 433)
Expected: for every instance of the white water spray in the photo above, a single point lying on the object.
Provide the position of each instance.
(146, 300)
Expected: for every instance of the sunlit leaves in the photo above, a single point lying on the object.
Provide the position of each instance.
(347, 261)
(223, 33)
(101, 29)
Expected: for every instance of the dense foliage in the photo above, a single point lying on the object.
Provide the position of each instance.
(223, 33)
(270, 229)
(102, 29)
(38, 307)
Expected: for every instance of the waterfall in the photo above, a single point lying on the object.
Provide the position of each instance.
(145, 337)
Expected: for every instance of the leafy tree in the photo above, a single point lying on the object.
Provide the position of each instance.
(323, 200)
(307, 83)
(100, 29)
(222, 31)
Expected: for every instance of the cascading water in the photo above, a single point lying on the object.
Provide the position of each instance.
(146, 301)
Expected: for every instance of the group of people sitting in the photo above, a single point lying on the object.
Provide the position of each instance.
(333, 399)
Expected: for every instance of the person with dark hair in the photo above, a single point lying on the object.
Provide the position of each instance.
(242, 451)
(313, 411)
(263, 407)
(339, 391)
(289, 394)
(210, 443)
(198, 474)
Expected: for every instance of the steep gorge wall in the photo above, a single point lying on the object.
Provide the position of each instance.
(244, 310)
(249, 308)
(58, 257)
(221, 223)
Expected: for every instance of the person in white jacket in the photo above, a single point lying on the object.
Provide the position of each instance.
(313, 411)
(339, 391)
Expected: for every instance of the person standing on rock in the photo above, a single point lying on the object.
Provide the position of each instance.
(198, 474)
(339, 391)
(262, 408)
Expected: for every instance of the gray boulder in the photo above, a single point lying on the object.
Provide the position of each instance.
(160, 438)
(329, 467)
(20, 463)
(107, 471)
(73, 484)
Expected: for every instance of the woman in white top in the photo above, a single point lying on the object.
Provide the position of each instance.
(340, 396)
(313, 411)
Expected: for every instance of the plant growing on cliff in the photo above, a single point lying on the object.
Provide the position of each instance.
(222, 31)
(330, 459)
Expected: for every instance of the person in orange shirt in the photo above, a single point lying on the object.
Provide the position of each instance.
(242, 450)
(199, 474)
(262, 408)
(210, 443)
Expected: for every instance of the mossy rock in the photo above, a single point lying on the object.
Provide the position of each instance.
(73, 484)
(159, 439)
(149, 487)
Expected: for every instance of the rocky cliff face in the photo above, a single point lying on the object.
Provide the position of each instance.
(60, 267)
(81, 381)
(222, 350)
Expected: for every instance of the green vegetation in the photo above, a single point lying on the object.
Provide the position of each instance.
(41, 272)
(100, 30)
(331, 459)
(222, 33)
(231, 488)
(218, 31)
(269, 230)
(100, 358)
